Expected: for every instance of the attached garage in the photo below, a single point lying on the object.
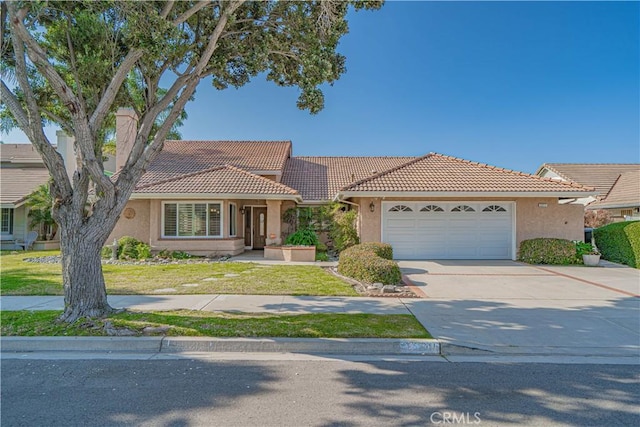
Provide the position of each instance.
(449, 230)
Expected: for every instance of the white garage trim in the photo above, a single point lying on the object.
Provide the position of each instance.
(461, 229)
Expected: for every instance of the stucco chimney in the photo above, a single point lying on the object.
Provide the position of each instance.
(126, 130)
(65, 148)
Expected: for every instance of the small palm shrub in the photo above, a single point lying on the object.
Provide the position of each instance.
(303, 237)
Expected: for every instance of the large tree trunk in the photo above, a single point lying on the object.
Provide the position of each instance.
(85, 293)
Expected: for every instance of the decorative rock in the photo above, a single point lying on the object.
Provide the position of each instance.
(377, 285)
(231, 275)
(191, 285)
(388, 289)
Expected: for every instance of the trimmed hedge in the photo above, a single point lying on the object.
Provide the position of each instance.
(370, 263)
(548, 251)
(620, 242)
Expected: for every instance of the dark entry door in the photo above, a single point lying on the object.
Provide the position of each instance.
(259, 222)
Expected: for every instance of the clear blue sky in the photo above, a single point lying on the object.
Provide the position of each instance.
(514, 84)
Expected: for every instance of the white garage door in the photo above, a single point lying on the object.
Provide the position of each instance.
(447, 230)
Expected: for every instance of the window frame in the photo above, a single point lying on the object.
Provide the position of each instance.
(193, 202)
(233, 219)
(10, 222)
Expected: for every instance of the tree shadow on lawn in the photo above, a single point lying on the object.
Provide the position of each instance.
(29, 281)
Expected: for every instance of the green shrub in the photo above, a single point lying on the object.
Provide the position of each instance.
(106, 252)
(303, 237)
(370, 263)
(132, 248)
(343, 228)
(548, 251)
(180, 255)
(322, 256)
(620, 242)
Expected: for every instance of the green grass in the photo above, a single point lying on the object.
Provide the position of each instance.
(18, 277)
(199, 323)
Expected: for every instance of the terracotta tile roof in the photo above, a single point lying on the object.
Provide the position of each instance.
(601, 176)
(218, 180)
(17, 183)
(184, 157)
(320, 178)
(625, 192)
(19, 153)
(439, 173)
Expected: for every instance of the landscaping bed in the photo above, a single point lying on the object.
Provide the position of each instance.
(199, 323)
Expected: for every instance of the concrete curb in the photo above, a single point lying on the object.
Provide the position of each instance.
(353, 346)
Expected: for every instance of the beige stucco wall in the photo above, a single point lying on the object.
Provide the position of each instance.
(555, 220)
(559, 221)
(138, 226)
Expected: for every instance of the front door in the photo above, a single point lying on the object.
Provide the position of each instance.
(259, 227)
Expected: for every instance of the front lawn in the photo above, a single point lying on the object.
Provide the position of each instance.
(200, 323)
(24, 278)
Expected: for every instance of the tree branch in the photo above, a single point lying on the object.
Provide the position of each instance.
(103, 107)
(189, 13)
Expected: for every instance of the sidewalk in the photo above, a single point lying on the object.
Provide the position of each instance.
(231, 303)
(235, 303)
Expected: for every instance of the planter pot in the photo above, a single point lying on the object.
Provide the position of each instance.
(45, 245)
(591, 260)
(291, 253)
(274, 253)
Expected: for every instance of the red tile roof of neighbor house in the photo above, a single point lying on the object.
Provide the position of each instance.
(601, 176)
(439, 173)
(217, 180)
(625, 192)
(17, 183)
(320, 178)
(183, 157)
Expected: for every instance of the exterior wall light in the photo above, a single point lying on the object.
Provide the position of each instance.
(372, 207)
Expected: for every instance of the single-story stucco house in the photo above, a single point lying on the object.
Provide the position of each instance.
(617, 185)
(225, 197)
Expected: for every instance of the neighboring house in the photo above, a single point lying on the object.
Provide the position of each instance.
(623, 200)
(621, 203)
(21, 172)
(223, 197)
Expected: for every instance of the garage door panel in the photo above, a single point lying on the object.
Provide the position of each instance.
(445, 234)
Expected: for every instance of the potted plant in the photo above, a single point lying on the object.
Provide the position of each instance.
(590, 255)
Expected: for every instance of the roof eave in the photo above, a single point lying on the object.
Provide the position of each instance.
(613, 205)
(347, 194)
(193, 196)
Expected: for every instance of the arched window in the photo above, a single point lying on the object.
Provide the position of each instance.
(463, 208)
(432, 208)
(400, 208)
(494, 208)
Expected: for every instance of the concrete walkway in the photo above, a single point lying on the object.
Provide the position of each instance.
(233, 303)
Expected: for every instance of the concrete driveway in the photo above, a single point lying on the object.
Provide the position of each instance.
(507, 307)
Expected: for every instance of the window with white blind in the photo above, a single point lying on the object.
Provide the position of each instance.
(192, 220)
(6, 221)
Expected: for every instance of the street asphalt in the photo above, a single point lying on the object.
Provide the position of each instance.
(472, 308)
